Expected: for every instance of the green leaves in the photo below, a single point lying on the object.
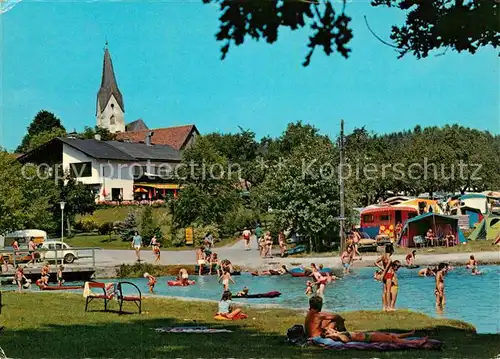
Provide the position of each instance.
(43, 126)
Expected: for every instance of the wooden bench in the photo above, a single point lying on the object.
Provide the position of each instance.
(136, 299)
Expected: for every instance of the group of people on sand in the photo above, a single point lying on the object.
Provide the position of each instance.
(264, 241)
(322, 327)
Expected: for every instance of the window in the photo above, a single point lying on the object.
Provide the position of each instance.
(116, 194)
(112, 120)
(51, 246)
(82, 169)
(58, 246)
(385, 217)
(368, 218)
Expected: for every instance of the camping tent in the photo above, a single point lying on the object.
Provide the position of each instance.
(418, 226)
(488, 229)
(428, 203)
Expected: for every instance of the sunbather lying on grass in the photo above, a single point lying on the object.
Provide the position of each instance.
(371, 337)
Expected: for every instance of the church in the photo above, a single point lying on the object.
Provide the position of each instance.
(110, 114)
(139, 164)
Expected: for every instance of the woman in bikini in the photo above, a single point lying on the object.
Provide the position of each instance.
(371, 337)
(383, 263)
(439, 291)
(392, 283)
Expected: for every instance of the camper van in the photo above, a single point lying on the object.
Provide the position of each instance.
(23, 237)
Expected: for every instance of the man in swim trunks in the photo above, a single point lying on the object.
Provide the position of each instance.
(200, 259)
(316, 321)
(346, 259)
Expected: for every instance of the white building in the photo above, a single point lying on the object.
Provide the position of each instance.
(113, 169)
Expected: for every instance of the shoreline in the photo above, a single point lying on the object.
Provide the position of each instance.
(455, 259)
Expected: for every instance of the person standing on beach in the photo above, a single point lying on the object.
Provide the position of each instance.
(258, 234)
(282, 243)
(136, 244)
(246, 237)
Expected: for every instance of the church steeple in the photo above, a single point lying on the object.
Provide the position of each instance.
(110, 108)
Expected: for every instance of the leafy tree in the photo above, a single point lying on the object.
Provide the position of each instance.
(44, 121)
(12, 208)
(302, 190)
(209, 188)
(149, 227)
(43, 137)
(460, 25)
(89, 133)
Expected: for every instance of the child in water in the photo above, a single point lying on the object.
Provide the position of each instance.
(183, 276)
(226, 278)
(439, 291)
(410, 258)
(60, 280)
(471, 263)
(151, 281)
(243, 292)
(309, 288)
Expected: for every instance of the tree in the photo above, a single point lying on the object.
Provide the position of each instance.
(41, 138)
(79, 199)
(149, 227)
(127, 228)
(460, 25)
(44, 121)
(209, 188)
(90, 133)
(11, 196)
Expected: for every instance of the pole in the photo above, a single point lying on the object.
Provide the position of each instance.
(62, 224)
(341, 184)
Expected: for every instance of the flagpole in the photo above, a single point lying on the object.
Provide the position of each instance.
(341, 185)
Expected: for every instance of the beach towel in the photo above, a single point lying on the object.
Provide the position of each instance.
(337, 345)
(204, 330)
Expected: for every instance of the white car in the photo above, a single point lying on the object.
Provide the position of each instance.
(52, 250)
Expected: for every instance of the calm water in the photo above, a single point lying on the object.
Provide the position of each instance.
(474, 299)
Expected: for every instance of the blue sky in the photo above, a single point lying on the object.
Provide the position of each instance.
(168, 68)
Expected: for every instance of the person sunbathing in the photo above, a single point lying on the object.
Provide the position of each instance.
(316, 321)
(371, 337)
(226, 308)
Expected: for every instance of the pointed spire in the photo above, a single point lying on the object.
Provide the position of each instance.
(108, 84)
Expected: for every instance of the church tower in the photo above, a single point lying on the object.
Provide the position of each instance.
(110, 111)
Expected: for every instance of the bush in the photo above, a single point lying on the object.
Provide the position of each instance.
(199, 233)
(86, 224)
(106, 228)
(148, 227)
(238, 220)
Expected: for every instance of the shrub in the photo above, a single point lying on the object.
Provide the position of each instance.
(148, 227)
(86, 224)
(106, 228)
(199, 233)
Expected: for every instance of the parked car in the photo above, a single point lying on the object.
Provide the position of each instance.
(57, 250)
(367, 244)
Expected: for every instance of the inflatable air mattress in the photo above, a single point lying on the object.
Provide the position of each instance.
(178, 283)
(273, 294)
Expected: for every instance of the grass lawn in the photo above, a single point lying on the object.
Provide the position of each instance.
(96, 240)
(54, 325)
(114, 214)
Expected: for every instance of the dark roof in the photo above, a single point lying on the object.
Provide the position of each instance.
(108, 84)
(142, 151)
(97, 149)
(175, 137)
(137, 125)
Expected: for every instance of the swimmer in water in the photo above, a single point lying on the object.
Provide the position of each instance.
(309, 288)
(439, 291)
(471, 263)
(426, 272)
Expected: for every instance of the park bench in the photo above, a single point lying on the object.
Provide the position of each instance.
(111, 291)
